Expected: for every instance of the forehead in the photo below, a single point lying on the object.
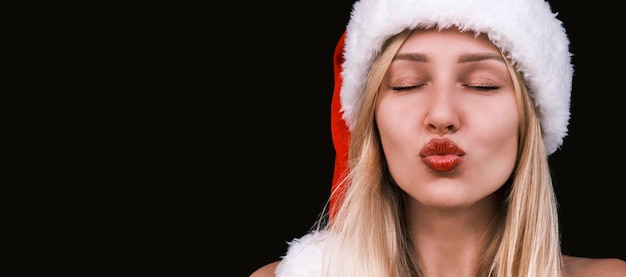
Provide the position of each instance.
(447, 40)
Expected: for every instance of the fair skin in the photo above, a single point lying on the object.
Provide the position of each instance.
(454, 86)
(574, 267)
(448, 85)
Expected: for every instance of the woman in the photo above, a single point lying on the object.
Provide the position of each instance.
(444, 115)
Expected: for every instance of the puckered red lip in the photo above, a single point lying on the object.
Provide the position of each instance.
(442, 155)
(441, 147)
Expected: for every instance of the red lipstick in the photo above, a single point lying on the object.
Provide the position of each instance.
(441, 155)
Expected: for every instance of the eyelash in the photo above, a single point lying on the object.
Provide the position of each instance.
(405, 88)
(477, 87)
(484, 87)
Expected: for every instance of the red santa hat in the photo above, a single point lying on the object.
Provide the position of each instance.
(527, 31)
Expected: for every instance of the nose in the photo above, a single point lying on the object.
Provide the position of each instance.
(442, 116)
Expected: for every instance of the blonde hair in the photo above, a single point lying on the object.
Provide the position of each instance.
(369, 234)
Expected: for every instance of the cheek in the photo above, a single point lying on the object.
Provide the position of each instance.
(398, 122)
(495, 142)
(499, 125)
(395, 119)
(498, 130)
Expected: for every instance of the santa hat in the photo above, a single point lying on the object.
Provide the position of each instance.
(526, 30)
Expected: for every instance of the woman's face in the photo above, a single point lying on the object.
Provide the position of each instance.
(448, 119)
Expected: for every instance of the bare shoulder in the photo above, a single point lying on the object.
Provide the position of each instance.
(266, 270)
(606, 267)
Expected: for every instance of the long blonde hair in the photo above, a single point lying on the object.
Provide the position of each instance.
(368, 231)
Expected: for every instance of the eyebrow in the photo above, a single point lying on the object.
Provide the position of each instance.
(473, 57)
(416, 57)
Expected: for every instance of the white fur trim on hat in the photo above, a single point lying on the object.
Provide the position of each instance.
(527, 30)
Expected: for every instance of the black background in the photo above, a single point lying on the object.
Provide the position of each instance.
(279, 157)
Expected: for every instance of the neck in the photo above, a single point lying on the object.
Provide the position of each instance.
(450, 241)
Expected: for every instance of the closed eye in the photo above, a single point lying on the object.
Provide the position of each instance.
(405, 88)
(483, 87)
